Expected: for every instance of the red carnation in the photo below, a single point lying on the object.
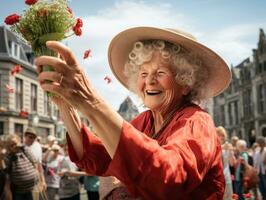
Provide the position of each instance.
(12, 19)
(30, 2)
(77, 30)
(79, 23)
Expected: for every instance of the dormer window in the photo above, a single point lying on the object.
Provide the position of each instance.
(14, 49)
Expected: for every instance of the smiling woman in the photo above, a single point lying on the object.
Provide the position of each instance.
(171, 150)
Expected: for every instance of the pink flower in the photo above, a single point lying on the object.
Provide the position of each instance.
(12, 19)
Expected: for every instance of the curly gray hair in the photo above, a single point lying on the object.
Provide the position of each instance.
(186, 66)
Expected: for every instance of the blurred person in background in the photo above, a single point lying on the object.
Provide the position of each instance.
(91, 185)
(30, 140)
(259, 158)
(52, 159)
(5, 192)
(228, 160)
(242, 158)
(21, 168)
(69, 188)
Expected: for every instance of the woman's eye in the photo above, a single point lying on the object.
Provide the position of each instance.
(143, 74)
(161, 72)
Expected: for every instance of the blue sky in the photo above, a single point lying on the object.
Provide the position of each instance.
(229, 27)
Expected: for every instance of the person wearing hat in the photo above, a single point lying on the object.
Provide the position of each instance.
(30, 140)
(171, 150)
(30, 136)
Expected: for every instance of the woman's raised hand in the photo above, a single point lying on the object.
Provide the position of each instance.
(68, 80)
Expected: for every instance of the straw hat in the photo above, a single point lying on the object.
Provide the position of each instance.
(219, 73)
(31, 130)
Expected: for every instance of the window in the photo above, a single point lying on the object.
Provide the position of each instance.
(222, 116)
(247, 102)
(236, 112)
(261, 98)
(47, 104)
(1, 128)
(19, 94)
(33, 97)
(14, 48)
(1, 96)
(230, 115)
(19, 129)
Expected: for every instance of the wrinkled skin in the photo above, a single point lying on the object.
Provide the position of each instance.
(74, 87)
(73, 91)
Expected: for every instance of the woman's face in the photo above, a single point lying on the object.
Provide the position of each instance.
(157, 86)
(221, 137)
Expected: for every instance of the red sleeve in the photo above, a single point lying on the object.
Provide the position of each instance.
(155, 171)
(95, 157)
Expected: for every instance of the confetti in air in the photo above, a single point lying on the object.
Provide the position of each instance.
(16, 69)
(87, 54)
(107, 79)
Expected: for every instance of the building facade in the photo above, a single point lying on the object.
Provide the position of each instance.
(22, 101)
(241, 109)
(128, 110)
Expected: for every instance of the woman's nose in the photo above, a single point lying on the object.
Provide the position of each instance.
(151, 79)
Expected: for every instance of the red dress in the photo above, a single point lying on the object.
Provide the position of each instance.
(183, 163)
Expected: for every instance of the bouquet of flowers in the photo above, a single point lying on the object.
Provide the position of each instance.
(45, 20)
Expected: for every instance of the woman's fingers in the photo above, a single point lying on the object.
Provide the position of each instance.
(54, 62)
(64, 51)
(67, 94)
(50, 76)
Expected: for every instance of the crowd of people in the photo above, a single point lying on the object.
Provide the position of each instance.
(243, 166)
(32, 168)
(46, 171)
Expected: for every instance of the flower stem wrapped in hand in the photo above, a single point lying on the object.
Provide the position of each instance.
(45, 20)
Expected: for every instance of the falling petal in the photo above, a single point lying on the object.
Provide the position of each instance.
(9, 89)
(107, 79)
(16, 69)
(87, 54)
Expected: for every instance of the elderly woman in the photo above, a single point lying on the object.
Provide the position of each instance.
(170, 151)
